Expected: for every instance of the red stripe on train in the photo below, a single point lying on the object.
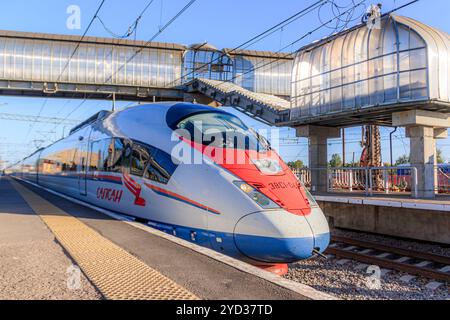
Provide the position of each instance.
(170, 193)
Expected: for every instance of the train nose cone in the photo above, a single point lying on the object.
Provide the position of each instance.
(274, 237)
(320, 228)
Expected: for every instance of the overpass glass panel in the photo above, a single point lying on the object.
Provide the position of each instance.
(205, 61)
(263, 74)
(42, 60)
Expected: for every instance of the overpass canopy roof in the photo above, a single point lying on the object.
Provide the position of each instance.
(363, 75)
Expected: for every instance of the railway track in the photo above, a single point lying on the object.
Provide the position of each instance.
(413, 262)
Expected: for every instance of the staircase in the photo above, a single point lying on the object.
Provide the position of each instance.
(265, 107)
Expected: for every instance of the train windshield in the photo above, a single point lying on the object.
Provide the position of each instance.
(222, 130)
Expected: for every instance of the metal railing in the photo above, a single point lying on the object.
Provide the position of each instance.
(443, 179)
(370, 181)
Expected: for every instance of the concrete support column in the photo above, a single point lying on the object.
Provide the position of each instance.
(318, 160)
(318, 153)
(423, 158)
(423, 128)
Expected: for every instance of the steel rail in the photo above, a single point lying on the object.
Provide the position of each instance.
(426, 272)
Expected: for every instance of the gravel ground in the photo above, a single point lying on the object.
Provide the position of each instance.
(406, 244)
(350, 281)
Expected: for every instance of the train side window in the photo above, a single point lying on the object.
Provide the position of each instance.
(118, 158)
(74, 163)
(160, 166)
(108, 154)
(67, 158)
(96, 156)
(102, 153)
(139, 157)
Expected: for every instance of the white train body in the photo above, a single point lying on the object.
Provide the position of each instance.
(122, 161)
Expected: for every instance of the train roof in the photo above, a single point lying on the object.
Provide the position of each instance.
(174, 112)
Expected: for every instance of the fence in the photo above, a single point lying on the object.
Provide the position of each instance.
(398, 180)
(443, 179)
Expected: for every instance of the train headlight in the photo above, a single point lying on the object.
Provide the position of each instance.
(256, 196)
(245, 187)
(268, 166)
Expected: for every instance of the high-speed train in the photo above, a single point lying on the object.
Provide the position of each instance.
(190, 170)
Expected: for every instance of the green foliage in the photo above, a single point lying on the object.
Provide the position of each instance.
(336, 161)
(404, 159)
(298, 164)
(439, 157)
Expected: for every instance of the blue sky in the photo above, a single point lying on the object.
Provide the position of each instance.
(222, 23)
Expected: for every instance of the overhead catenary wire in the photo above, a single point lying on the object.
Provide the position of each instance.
(341, 23)
(81, 39)
(34, 122)
(131, 29)
(79, 42)
(77, 47)
(317, 5)
(258, 37)
(278, 60)
(154, 36)
(149, 41)
(257, 67)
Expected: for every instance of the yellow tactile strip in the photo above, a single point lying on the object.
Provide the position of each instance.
(114, 271)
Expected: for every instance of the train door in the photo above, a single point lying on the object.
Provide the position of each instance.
(82, 164)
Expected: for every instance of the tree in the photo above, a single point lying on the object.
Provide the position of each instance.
(336, 161)
(404, 159)
(439, 157)
(298, 164)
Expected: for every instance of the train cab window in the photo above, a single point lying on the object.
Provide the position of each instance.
(160, 166)
(139, 158)
(222, 130)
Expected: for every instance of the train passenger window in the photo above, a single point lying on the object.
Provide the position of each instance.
(139, 157)
(102, 153)
(95, 156)
(160, 166)
(73, 164)
(68, 160)
(118, 155)
(108, 154)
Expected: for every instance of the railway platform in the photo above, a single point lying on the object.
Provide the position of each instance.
(392, 215)
(54, 248)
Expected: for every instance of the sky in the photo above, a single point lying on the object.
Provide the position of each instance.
(221, 23)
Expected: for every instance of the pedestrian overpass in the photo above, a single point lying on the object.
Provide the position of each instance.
(394, 74)
(50, 65)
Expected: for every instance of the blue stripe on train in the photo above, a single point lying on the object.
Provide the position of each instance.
(259, 248)
(281, 250)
